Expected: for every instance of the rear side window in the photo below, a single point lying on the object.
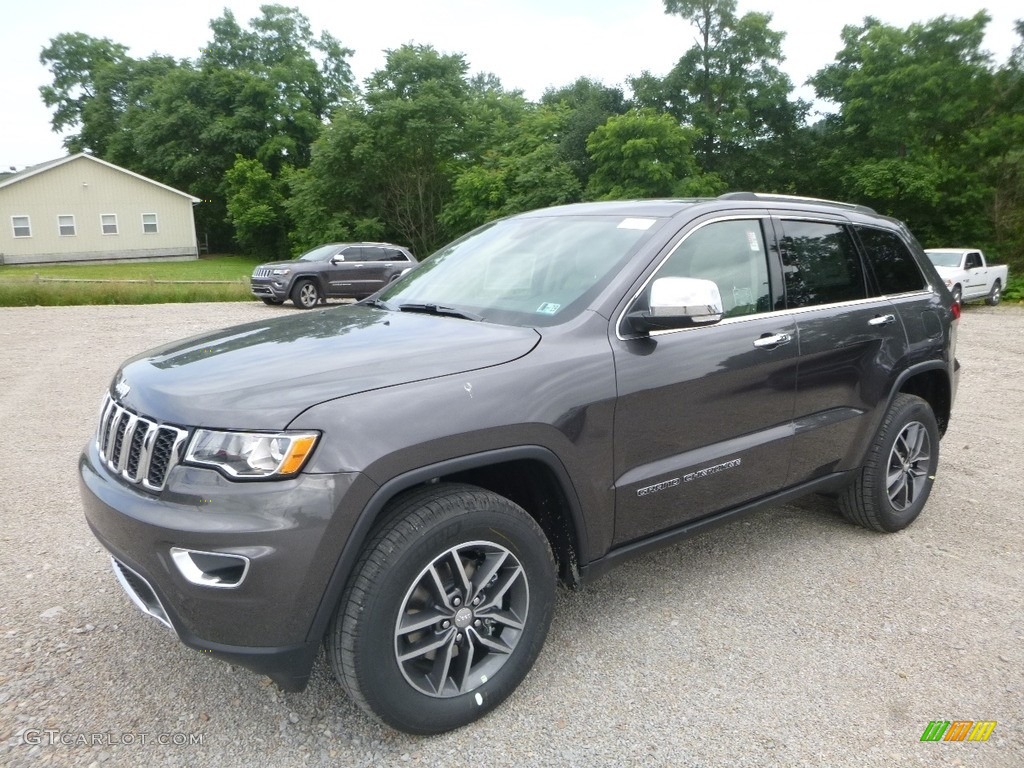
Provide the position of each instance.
(820, 263)
(372, 253)
(894, 266)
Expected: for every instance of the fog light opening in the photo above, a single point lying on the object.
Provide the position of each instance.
(210, 569)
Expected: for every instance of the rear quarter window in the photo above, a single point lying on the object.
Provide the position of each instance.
(895, 268)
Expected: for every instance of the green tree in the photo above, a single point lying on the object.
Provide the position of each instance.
(255, 207)
(261, 92)
(645, 154)
(588, 104)
(729, 87)
(87, 75)
(387, 161)
(910, 101)
(523, 172)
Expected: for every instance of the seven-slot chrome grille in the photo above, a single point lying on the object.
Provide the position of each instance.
(140, 450)
(261, 272)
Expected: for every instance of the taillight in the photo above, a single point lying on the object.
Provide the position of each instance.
(955, 310)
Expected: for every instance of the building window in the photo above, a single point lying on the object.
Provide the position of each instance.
(149, 225)
(22, 226)
(108, 223)
(66, 225)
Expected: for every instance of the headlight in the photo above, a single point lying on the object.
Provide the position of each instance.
(284, 271)
(251, 455)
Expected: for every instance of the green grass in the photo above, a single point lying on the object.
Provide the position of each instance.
(24, 286)
(1014, 290)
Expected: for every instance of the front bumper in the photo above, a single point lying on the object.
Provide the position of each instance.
(291, 532)
(269, 288)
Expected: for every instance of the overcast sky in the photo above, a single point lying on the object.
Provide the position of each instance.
(529, 44)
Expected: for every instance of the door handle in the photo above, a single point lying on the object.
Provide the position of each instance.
(772, 341)
(882, 320)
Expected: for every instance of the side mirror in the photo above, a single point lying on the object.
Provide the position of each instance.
(679, 302)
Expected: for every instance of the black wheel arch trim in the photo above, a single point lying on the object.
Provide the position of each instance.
(371, 512)
(897, 388)
(314, 276)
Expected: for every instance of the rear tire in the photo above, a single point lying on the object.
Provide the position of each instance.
(446, 611)
(995, 295)
(305, 294)
(893, 485)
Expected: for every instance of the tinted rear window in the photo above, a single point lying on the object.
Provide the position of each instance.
(892, 262)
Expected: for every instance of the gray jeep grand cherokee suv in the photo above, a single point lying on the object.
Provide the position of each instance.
(332, 271)
(406, 480)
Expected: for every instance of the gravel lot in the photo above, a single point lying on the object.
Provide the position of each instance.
(790, 638)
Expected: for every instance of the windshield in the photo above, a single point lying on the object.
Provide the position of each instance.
(530, 271)
(320, 253)
(945, 258)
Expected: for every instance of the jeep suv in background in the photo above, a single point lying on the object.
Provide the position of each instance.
(333, 271)
(406, 480)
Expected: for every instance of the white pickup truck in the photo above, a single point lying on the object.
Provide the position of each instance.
(968, 276)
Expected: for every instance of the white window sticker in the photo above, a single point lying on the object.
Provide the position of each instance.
(755, 244)
(636, 224)
(547, 308)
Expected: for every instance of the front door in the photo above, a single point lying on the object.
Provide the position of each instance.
(703, 420)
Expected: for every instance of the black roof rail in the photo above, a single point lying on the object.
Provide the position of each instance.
(757, 196)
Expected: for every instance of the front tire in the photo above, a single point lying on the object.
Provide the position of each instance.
(958, 295)
(995, 295)
(448, 608)
(272, 302)
(892, 487)
(306, 294)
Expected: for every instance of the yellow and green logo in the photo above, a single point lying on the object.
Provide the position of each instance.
(958, 730)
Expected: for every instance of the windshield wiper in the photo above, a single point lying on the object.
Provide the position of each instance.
(379, 303)
(437, 309)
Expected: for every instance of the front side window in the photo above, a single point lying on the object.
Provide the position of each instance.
(820, 264)
(66, 226)
(973, 260)
(108, 223)
(894, 266)
(22, 226)
(149, 224)
(320, 253)
(732, 254)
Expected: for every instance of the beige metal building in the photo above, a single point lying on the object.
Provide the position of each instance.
(83, 209)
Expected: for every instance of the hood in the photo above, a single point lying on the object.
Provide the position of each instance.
(948, 272)
(262, 375)
(280, 264)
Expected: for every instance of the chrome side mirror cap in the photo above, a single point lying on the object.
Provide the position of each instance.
(679, 302)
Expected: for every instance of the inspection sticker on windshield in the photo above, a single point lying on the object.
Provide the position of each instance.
(755, 245)
(547, 308)
(635, 224)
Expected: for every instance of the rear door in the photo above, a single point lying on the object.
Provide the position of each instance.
(849, 342)
(703, 415)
